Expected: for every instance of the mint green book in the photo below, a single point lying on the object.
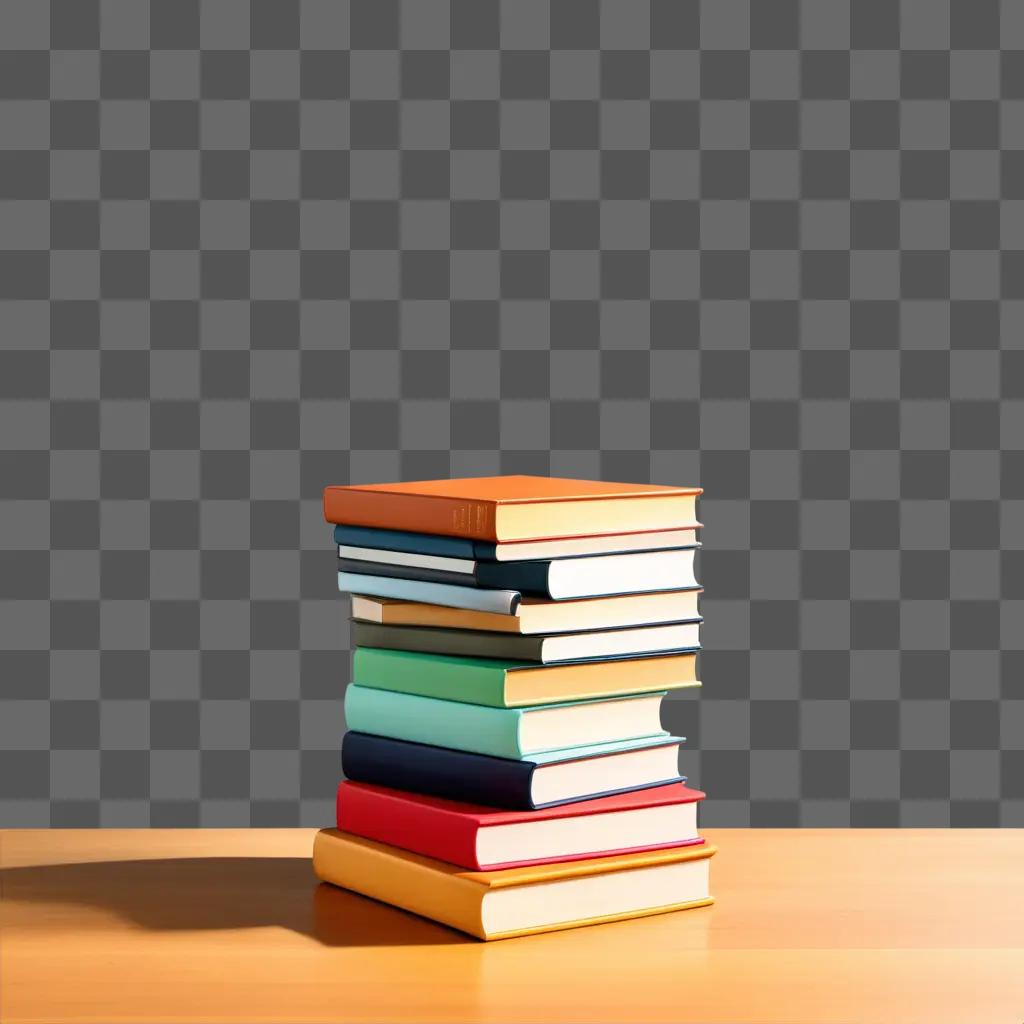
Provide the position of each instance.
(497, 683)
(501, 732)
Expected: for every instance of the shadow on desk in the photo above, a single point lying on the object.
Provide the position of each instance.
(211, 893)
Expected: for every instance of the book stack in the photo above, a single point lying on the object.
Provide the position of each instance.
(506, 767)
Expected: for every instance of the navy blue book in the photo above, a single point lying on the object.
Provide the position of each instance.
(539, 780)
(413, 543)
(375, 543)
(556, 578)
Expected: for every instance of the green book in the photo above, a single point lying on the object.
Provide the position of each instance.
(445, 676)
(498, 683)
(501, 732)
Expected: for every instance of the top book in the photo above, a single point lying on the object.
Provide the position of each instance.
(513, 508)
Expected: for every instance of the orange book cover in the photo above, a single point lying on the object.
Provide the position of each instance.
(513, 508)
(455, 896)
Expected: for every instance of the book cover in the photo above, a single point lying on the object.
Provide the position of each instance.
(467, 777)
(503, 683)
(404, 540)
(464, 643)
(447, 830)
(506, 508)
(500, 602)
(484, 730)
(455, 897)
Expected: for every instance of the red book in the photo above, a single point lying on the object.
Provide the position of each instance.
(486, 839)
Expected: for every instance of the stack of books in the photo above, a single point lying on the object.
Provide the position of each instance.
(506, 767)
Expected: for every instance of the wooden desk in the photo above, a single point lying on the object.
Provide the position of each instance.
(810, 926)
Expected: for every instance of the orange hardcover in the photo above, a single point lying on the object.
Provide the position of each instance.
(454, 896)
(513, 508)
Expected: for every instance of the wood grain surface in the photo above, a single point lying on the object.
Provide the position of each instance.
(229, 925)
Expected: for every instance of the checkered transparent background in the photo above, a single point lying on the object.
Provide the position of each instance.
(771, 247)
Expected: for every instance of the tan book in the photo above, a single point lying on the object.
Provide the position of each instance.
(537, 615)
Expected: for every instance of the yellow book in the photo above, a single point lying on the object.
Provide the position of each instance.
(517, 901)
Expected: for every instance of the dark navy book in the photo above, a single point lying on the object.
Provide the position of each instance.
(412, 543)
(526, 577)
(502, 782)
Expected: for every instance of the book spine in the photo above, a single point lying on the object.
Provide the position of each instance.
(526, 577)
(415, 513)
(406, 883)
(407, 572)
(422, 829)
(437, 771)
(442, 723)
(500, 602)
(452, 642)
(411, 543)
(383, 668)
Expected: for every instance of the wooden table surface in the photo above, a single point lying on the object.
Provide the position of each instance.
(810, 926)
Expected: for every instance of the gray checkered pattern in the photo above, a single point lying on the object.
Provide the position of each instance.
(250, 248)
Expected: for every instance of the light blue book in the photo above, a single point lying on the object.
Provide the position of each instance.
(479, 599)
(502, 732)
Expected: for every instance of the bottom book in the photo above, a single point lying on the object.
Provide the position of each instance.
(517, 901)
